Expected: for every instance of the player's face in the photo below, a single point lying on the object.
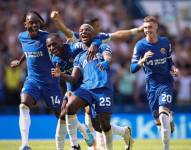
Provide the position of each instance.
(86, 33)
(32, 24)
(150, 29)
(54, 45)
(96, 26)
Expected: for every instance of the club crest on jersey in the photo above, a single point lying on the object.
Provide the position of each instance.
(37, 43)
(163, 50)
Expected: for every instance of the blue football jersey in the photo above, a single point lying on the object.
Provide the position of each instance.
(66, 58)
(37, 56)
(92, 76)
(65, 61)
(157, 67)
(103, 37)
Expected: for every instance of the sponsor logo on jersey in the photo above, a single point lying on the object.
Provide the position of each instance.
(33, 54)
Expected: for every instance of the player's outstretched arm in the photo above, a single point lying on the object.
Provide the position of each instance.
(55, 16)
(16, 63)
(124, 34)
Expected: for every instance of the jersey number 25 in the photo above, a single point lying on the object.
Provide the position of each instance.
(104, 101)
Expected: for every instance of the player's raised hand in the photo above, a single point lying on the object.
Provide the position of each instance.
(56, 72)
(14, 63)
(141, 28)
(92, 50)
(174, 71)
(54, 15)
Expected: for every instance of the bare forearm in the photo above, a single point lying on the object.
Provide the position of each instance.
(68, 78)
(22, 58)
(60, 25)
(124, 34)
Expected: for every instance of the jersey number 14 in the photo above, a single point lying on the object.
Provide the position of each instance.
(55, 100)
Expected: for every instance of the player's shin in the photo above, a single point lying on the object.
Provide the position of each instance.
(71, 123)
(24, 123)
(165, 129)
(100, 143)
(88, 122)
(60, 135)
(108, 139)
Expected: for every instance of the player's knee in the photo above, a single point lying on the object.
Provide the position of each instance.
(70, 109)
(165, 121)
(62, 114)
(87, 110)
(63, 110)
(96, 125)
(23, 107)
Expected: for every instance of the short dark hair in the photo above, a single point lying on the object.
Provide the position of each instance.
(50, 35)
(91, 21)
(150, 19)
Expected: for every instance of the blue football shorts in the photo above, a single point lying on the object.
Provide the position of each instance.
(159, 94)
(100, 99)
(51, 93)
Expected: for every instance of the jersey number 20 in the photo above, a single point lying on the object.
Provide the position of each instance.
(166, 98)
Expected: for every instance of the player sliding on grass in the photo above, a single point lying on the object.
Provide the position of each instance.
(39, 82)
(153, 53)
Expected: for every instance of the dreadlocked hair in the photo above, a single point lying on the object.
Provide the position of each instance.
(42, 22)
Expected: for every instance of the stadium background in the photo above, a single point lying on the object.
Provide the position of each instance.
(130, 105)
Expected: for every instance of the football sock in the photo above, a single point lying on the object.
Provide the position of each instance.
(117, 130)
(108, 139)
(89, 122)
(71, 124)
(60, 135)
(165, 130)
(100, 143)
(24, 123)
(82, 129)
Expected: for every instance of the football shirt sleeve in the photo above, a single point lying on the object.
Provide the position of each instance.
(134, 67)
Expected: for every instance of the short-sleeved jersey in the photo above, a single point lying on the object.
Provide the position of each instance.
(103, 37)
(157, 67)
(37, 56)
(92, 76)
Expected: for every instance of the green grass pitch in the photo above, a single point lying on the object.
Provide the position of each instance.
(118, 145)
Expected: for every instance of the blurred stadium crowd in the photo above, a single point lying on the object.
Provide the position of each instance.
(113, 15)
